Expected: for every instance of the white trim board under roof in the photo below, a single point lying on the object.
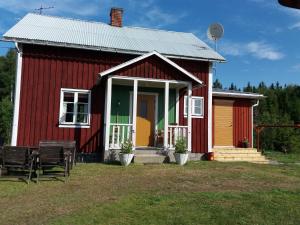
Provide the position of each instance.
(63, 32)
(236, 94)
(132, 61)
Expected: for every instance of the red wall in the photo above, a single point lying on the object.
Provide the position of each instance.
(199, 125)
(46, 70)
(242, 122)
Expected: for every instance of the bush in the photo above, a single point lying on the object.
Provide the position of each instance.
(180, 146)
(6, 110)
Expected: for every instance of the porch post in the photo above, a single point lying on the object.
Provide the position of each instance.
(166, 117)
(189, 119)
(107, 111)
(134, 111)
(177, 106)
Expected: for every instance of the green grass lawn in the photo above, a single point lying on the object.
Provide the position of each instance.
(199, 193)
(282, 157)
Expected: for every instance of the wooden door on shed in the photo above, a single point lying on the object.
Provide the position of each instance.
(223, 123)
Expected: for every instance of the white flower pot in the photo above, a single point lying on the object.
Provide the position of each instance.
(181, 158)
(126, 158)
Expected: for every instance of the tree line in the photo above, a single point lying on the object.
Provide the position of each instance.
(7, 75)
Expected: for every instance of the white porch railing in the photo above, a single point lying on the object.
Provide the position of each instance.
(176, 132)
(119, 133)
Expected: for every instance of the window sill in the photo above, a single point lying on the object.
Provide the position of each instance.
(73, 126)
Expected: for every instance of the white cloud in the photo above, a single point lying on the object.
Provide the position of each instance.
(295, 26)
(296, 68)
(262, 50)
(259, 50)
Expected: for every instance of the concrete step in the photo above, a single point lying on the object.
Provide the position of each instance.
(253, 154)
(230, 151)
(149, 158)
(147, 151)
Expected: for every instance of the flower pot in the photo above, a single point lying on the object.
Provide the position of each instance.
(210, 156)
(181, 158)
(125, 159)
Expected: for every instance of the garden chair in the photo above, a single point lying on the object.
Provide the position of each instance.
(51, 157)
(17, 161)
(68, 146)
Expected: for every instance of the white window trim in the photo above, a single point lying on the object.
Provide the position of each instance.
(193, 113)
(71, 124)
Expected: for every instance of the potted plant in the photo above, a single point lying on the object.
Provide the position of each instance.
(126, 153)
(245, 143)
(181, 154)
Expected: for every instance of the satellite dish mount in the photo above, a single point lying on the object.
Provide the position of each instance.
(215, 32)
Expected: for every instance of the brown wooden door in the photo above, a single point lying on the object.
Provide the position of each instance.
(145, 120)
(223, 122)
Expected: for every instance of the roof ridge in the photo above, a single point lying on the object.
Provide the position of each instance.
(99, 22)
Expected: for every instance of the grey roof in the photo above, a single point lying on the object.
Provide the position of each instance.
(50, 30)
(236, 94)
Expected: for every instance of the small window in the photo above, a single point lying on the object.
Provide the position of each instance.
(197, 106)
(75, 107)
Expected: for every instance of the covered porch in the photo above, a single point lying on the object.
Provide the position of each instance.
(146, 113)
(148, 102)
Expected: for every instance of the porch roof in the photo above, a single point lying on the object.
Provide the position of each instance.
(153, 53)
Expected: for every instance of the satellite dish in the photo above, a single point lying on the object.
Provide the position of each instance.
(215, 31)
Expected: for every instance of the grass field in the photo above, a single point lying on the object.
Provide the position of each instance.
(199, 193)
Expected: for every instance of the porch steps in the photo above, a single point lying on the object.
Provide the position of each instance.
(152, 156)
(240, 155)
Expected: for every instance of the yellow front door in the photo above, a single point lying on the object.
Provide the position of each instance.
(145, 120)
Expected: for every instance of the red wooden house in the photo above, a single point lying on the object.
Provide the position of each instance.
(101, 84)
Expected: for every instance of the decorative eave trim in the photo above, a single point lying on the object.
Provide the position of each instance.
(132, 61)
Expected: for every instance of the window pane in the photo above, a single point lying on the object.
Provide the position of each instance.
(68, 97)
(83, 98)
(197, 102)
(82, 118)
(69, 117)
(82, 108)
(197, 111)
(69, 107)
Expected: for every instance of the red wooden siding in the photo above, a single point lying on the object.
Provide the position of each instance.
(242, 122)
(48, 69)
(199, 125)
(154, 68)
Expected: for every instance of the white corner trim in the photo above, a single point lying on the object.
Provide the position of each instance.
(18, 79)
(209, 108)
(108, 93)
(252, 121)
(132, 61)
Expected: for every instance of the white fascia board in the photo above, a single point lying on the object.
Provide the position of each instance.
(132, 61)
(237, 95)
(104, 49)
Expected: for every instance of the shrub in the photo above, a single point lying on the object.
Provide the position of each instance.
(180, 146)
(127, 147)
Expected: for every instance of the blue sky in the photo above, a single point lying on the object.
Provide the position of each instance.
(261, 40)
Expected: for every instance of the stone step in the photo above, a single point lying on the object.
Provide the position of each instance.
(242, 159)
(230, 151)
(149, 158)
(253, 154)
(146, 151)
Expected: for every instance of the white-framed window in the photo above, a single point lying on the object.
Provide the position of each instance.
(197, 106)
(75, 108)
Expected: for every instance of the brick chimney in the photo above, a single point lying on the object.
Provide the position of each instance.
(116, 17)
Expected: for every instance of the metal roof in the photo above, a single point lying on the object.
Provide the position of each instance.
(236, 94)
(50, 30)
